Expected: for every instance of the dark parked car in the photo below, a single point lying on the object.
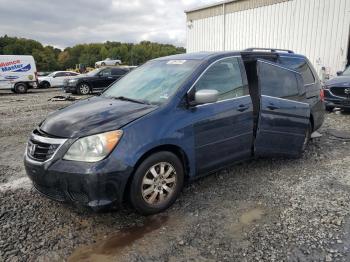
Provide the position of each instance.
(337, 91)
(95, 80)
(172, 120)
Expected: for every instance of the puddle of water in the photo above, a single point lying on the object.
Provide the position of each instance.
(106, 249)
(236, 228)
(251, 216)
(23, 182)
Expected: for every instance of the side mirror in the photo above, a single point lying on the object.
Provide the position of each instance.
(339, 73)
(206, 96)
(54, 76)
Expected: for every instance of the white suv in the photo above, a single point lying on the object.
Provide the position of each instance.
(108, 62)
(55, 79)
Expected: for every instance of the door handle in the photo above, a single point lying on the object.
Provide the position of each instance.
(272, 107)
(242, 108)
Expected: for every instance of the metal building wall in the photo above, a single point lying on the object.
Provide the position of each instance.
(319, 29)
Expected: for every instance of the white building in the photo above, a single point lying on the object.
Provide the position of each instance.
(319, 29)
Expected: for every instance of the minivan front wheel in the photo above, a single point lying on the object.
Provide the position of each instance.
(157, 183)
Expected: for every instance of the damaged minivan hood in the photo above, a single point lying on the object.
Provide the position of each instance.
(92, 116)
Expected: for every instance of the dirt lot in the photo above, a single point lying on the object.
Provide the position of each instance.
(271, 210)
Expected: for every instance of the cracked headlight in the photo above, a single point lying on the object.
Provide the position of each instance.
(93, 148)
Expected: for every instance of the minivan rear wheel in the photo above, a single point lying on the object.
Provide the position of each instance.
(157, 183)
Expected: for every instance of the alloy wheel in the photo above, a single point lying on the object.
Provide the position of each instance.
(84, 89)
(159, 183)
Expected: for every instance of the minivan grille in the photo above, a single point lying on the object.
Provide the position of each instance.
(41, 151)
(42, 148)
(340, 91)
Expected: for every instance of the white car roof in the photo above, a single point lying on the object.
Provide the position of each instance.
(64, 72)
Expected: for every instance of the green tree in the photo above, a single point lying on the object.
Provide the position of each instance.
(50, 58)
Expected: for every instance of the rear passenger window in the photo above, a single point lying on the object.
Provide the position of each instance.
(277, 82)
(118, 71)
(299, 65)
(225, 77)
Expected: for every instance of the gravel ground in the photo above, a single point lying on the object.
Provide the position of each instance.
(270, 210)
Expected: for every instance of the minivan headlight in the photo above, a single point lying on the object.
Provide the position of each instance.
(93, 148)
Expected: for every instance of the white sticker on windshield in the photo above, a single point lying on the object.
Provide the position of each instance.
(164, 96)
(176, 62)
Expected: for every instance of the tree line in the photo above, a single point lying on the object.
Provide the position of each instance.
(49, 58)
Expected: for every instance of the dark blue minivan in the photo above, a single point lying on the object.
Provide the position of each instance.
(172, 120)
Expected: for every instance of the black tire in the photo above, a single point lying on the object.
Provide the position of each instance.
(137, 187)
(307, 137)
(21, 88)
(45, 85)
(117, 64)
(103, 64)
(83, 89)
(329, 108)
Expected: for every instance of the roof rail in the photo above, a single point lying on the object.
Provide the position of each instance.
(274, 50)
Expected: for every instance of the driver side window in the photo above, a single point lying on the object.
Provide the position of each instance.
(225, 77)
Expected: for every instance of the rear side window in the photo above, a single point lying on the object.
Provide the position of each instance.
(60, 74)
(118, 71)
(299, 65)
(277, 82)
(225, 77)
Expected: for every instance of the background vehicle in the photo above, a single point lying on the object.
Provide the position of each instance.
(337, 91)
(55, 79)
(95, 80)
(43, 74)
(108, 62)
(174, 118)
(17, 73)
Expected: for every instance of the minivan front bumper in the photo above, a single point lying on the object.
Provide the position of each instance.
(77, 182)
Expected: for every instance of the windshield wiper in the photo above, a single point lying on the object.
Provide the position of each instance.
(123, 98)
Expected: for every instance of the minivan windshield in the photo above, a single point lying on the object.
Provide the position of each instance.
(154, 82)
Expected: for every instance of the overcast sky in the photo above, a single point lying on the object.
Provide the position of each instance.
(66, 23)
